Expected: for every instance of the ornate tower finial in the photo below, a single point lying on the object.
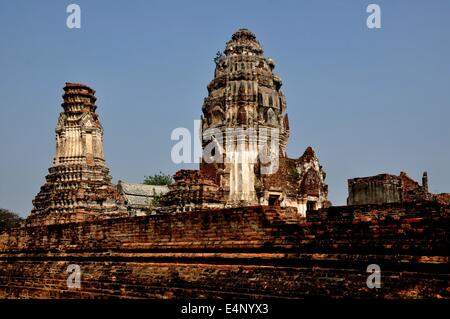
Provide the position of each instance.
(243, 42)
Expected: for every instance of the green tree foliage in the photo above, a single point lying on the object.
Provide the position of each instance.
(158, 179)
(9, 219)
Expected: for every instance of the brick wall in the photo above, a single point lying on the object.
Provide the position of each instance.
(246, 252)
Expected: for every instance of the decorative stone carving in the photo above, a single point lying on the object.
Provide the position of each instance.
(387, 188)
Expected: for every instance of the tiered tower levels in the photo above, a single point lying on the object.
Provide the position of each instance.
(78, 185)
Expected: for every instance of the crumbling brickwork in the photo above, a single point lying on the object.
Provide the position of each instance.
(249, 252)
(192, 189)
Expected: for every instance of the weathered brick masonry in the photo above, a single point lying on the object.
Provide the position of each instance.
(242, 252)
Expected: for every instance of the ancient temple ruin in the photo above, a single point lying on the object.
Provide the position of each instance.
(78, 186)
(245, 237)
(245, 131)
(140, 199)
(388, 188)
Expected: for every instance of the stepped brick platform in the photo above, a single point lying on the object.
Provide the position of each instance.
(78, 186)
(251, 252)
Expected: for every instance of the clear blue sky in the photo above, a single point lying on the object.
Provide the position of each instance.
(368, 101)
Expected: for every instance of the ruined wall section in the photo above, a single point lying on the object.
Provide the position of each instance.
(240, 253)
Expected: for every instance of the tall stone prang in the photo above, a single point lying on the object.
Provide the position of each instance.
(78, 186)
(244, 100)
(245, 129)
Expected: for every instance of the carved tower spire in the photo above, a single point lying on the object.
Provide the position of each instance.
(78, 186)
